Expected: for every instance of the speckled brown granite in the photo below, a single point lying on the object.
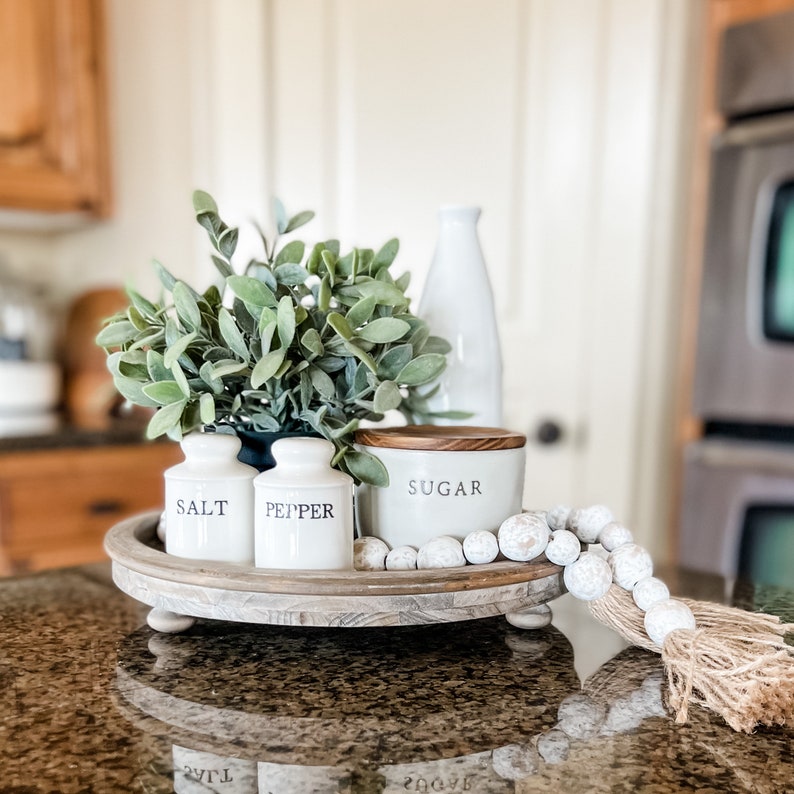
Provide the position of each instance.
(93, 701)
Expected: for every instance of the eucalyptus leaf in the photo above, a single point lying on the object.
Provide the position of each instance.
(164, 392)
(306, 390)
(280, 215)
(386, 255)
(291, 252)
(232, 335)
(384, 329)
(203, 202)
(403, 281)
(227, 242)
(312, 342)
(267, 367)
(362, 356)
(290, 274)
(324, 294)
(436, 344)
(340, 325)
(156, 366)
(298, 220)
(208, 376)
(322, 382)
(133, 367)
(118, 333)
(422, 370)
(265, 423)
(207, 408)
(367, 468)
(186, 307)
(251, 291)
(267, 335)
(285, 317)
(223, 369)
(166, 279)
(166, 419)
(361, 311)
(222, 266)
(391, 363)
(181, 379)
(329, 260)
(132, 390)
(144, 306)
(385, 294)
(179, 346)
(387, 397)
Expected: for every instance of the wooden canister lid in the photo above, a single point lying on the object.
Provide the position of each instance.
(459, 438)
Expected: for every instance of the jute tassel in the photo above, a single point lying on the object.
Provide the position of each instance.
(735, 663)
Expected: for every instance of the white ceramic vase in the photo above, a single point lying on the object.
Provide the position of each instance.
(304, 509)
(209, 501)
(457, 304)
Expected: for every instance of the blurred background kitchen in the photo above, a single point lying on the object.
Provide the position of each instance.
(581, 127)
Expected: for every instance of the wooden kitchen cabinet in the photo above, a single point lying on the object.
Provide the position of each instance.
(53, 114)
(57, 504)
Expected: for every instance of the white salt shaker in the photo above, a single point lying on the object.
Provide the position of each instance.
(209, 501)
(303, 509)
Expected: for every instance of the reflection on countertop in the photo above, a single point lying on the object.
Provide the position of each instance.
(93, 700)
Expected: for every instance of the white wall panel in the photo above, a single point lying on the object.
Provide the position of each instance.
(562, 119)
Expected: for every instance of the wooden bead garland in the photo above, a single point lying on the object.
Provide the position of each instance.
(734, 662)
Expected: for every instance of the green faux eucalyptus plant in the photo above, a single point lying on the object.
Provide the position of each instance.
(302, 340)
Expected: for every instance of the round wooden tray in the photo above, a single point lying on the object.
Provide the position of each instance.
(223, 591)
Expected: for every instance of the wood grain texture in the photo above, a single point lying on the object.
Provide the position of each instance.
(53, 129)
(323, 598)
(56, 504)
(441, 438)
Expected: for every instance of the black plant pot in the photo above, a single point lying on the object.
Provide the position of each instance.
(257, 446)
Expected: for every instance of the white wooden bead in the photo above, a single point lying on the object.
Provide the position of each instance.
(480, 546)
(554, 746)
(441, 552)
(563, 548)
(614, 534)
(369, 554)
(587, 522)
(403, 558)
(629, 564)
(667, 616)
(523, 537)
(161, 528)
(515, 761)
(589, 577)
(580, 717)
(557, 516)
(649, 591)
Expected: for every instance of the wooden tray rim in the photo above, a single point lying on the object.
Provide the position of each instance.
(132, 543)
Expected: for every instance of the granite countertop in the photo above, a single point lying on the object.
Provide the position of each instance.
(67, 436)
(93, 700)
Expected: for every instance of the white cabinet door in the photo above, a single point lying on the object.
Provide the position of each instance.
(553, 116)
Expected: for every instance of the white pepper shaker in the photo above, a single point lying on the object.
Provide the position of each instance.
(303, 509)
(209, 501)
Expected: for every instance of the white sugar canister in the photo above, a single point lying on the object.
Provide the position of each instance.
(442, 481)
(303, 509)
(209, 501)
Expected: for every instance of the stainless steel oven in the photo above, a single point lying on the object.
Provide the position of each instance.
(738, 507)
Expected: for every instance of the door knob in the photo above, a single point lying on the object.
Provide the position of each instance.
(548, 432)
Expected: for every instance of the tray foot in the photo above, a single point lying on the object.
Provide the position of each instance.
(169, 622)
(537, 617)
